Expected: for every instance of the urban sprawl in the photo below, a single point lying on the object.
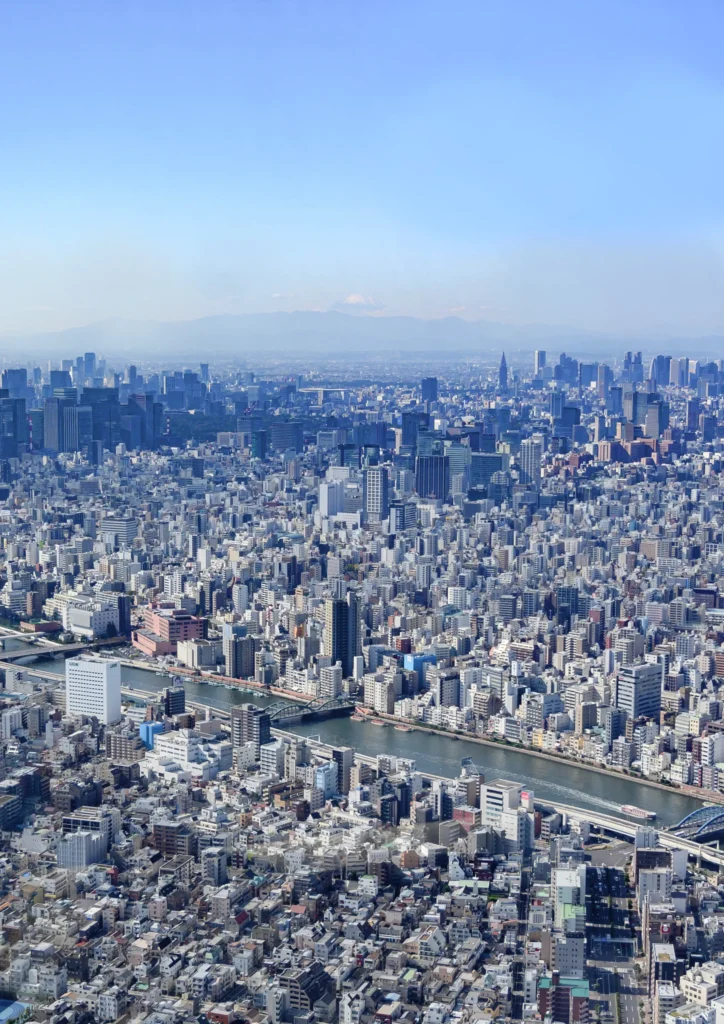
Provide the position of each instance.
(210, 577)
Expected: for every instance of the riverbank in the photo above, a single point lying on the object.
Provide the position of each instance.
(414, 726)
(214, 679)
(236, 688)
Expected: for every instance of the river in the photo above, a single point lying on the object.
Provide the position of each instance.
(441, 755)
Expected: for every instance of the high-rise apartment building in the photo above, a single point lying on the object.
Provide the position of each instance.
(530, 461)
(250, 724)
(376, 494)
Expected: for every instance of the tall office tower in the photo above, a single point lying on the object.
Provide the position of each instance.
(403, 516)
(250, 724)
(429, 389)
(633, 368)
(205, 373)
(89, 364)
(174, 701)
(614, 402)
(657, 418)
(692, 414)
(503, 374)
(531, 454)
(539, 361)
(587, 374)
(342, 631)
(679, 372)
(432, 476)
(93, 688)
(60, 379)
(259, 444)
(638, 690)
(376, 494)
(53, 425)
(14, 428)
(77, 427)
(604, 380)
(412, 423)
(659, 370)
(635, 405)
(16, 382)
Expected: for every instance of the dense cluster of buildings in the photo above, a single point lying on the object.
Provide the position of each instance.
(533, 558)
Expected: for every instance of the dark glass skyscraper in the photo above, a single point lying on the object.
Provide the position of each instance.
(429, 389)
(342, 631)
(503, 374)
(432, 476)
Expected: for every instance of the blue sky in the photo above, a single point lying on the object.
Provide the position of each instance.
(528, 162)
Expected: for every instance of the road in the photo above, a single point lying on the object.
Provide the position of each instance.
(612, 942)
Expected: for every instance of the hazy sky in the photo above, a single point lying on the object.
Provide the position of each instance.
(525, 162)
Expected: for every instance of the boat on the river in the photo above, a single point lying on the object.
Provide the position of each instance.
(638, 812)
(403, 728)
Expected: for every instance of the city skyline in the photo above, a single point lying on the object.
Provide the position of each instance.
(526, 167)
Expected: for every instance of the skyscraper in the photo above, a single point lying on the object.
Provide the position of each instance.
(412, 422)
(432, 476)
(376, 494)
(638, 690)
(604, 380)
(539, 361)
(692, 414)
(342, 631)
(77, 427)
(503, 374)
(530, 460)
(429, 389)
(93, 688)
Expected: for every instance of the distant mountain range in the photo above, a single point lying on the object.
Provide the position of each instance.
(339, 334)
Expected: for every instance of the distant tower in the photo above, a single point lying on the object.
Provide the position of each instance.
(539, 361)
(429, 389)
(530, 462)
(503, 374)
